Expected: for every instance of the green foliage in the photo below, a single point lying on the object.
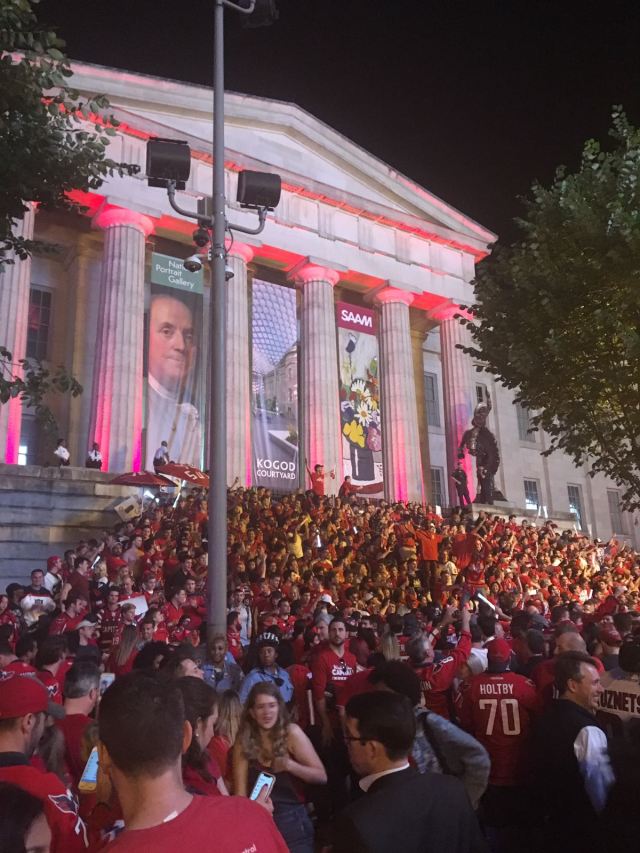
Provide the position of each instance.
(557, 314)
(51, 140)
(33, 382)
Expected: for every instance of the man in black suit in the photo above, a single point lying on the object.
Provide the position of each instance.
(402, 810)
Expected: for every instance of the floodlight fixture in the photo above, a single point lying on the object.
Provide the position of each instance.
(259, 190)
(168, 160)
(265, 12)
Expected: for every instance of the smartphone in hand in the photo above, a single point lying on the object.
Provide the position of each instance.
(264, 780)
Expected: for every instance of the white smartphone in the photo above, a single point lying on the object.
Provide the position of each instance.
(264, 780)
(89, 778)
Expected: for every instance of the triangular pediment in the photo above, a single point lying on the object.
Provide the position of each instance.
(277, 135)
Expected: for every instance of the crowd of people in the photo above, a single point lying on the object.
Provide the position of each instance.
(387, 676)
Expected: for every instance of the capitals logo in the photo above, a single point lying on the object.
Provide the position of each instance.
(65, 803)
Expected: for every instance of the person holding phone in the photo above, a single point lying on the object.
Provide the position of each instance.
(268, 743)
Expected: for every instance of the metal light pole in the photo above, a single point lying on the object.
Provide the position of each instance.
(217, 531)
(168, 165)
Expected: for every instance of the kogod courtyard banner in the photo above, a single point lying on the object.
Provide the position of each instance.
(360, 419)
(274, 377)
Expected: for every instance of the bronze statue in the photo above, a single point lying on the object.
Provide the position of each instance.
(480, 442)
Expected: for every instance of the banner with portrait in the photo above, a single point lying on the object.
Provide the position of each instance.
(174, 408)
(360, 417)
(274, 387)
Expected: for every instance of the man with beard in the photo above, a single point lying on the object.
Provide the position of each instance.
(24, 705)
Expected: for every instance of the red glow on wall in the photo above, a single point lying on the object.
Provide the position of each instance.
(14, 421)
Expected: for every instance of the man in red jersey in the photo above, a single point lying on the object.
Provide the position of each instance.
(174, 609)
(24, 705)
(143, 733)
(109, 619)
(497, 709)
(331, 668)
(9, 662)
(437, 678)
(74, 611)
(317, 478)
(81, 693)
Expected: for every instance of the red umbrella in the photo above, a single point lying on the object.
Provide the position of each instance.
(186, 472)
(143, 479)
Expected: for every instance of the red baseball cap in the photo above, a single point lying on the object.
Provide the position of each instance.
(51, 561)
(499, 650)
(25, 694)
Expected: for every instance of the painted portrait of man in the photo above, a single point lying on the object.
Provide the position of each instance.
(171, 356)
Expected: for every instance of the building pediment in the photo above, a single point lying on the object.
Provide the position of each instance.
(275, 135)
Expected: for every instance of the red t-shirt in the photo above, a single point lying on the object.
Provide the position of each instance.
(317, 483)
(330, 673)
(20, 667)
(497, 709)
(223, 824)
(73, 727)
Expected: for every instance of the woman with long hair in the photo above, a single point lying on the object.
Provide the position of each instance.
(267, 741)
(123, 655)
(226, 731)
(200, 773)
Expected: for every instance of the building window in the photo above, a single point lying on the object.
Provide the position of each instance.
(431, 399)
(575, 504)
(531, 494)
(615, 513)
(524, 423)
(39, 323)
(482, 393)
(436, 494)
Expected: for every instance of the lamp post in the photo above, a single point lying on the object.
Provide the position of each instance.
(258, 191)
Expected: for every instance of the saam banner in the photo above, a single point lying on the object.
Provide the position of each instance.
(360, 417)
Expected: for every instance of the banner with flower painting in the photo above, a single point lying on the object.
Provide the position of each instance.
(360, 418)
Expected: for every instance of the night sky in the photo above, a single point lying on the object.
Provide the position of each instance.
(473, 100)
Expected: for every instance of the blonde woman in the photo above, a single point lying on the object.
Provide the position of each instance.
(226, 731)
(267, 741)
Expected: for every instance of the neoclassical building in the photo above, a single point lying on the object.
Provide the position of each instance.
(343, 346)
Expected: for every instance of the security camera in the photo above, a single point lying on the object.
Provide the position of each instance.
(201, 237)
(228, 272)
(193, 263)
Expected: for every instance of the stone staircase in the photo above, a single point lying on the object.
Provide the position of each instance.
(44, 511)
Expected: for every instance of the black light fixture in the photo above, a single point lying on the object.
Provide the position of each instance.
(258, 190)
(168, 160)
(264, 13)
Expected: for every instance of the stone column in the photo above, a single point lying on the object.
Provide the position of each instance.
(238, 366)
(400, 434)
(457, 378)
(83, 271)
(116, 420)
(319, 392)
(15, 284)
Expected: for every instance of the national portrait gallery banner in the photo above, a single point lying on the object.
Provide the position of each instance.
(360, 418)
(173, 362)
(274, 387)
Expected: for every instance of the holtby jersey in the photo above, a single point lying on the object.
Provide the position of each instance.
(497, 710)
